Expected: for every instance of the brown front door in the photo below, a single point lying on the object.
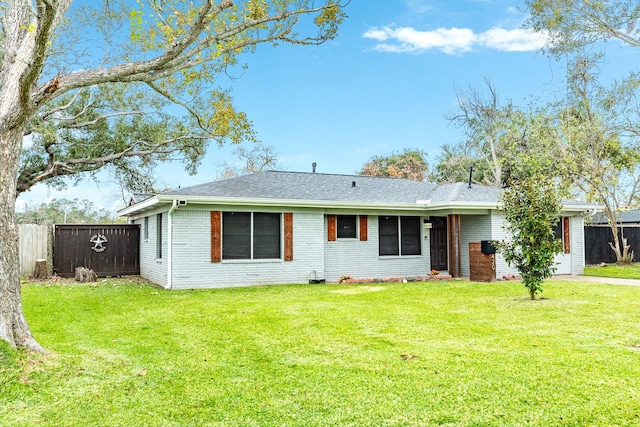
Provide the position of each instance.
(438, 237)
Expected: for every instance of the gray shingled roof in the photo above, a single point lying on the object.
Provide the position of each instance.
(623, 217)
(343, 188)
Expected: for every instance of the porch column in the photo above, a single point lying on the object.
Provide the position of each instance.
(453, 229)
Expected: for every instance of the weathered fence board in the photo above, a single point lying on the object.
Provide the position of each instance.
(597, 247)
(109, 250)
(34, 243)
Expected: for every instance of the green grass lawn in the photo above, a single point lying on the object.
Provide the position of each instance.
(622, 271)
(123, 353)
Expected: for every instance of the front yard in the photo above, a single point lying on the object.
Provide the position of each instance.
(124, 353)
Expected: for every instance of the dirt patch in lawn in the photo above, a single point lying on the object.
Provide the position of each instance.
(359, 290)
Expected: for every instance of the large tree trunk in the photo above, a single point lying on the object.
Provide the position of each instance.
(619, 245)
(18, 70)
(13, 325)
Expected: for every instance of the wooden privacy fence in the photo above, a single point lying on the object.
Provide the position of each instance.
(597, 247)
(109, 250)
(34, 242)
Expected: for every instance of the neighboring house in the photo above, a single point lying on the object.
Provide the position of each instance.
(626, 218)
(289, 227)
(139, 197)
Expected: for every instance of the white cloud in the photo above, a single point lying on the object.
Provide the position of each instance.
(518, 40)
(380, 35)
(453, 40)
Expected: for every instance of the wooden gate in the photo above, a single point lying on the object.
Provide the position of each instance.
(109, 250)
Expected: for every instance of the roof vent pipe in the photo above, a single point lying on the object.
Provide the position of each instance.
(353, 184)
(470, 175)
(313, 167)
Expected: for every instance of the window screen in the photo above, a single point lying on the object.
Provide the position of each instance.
(347, 227)
(247, 235)
(266, 235)
(388, 235)
(410, 235)
(236, 235)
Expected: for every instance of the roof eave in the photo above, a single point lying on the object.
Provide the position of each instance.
(267, 202)
(426, 205)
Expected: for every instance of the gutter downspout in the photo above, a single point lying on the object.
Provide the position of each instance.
(174, 206)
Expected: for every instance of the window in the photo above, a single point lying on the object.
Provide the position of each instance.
(146, 228)
(347, 227)
(250, 235)
(399, 235)
(410, 235)
(388, 235)
(557, 230)
(266, 235)
(236, 235)
(561, 231)
(159, 236)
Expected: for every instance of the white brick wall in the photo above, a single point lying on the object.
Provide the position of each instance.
(474, 228)
(361, 260)
(152, 268)
(577, 245)
(314, 256)
(192, 266)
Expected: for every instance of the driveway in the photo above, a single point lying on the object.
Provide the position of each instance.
(606, 280)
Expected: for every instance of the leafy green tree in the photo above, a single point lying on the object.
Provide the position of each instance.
(600, 124)
(64, 211)
(410, 164)
(536, 150)
(487, 126)
(576, 145)
(573, 24)
(531, 208)
(123, 86)
(453, 163)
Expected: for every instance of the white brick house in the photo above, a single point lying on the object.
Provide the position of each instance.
(289, 227)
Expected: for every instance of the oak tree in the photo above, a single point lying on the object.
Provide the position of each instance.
(123, 85)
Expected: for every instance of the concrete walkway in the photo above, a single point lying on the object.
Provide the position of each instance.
(606, 280)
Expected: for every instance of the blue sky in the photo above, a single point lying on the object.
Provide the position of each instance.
(384, 84)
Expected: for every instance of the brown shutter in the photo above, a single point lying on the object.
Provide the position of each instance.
(333, 227)
(566, 234)
(363, 228)
(288, 236)
(216, 240)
